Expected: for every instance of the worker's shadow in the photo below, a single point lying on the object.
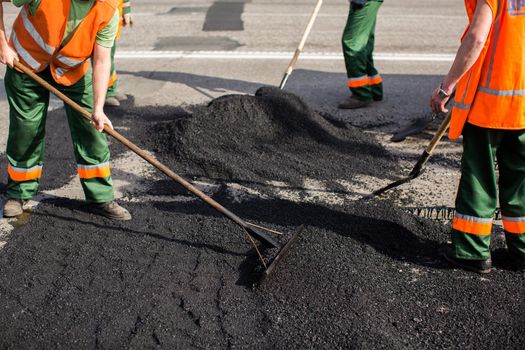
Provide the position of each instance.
(83, 216)
(202, 84)
(406, 95)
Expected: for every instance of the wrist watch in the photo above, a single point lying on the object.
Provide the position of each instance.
(441, 93)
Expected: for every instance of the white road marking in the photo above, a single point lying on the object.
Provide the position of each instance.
(261, 55)
(196, 12)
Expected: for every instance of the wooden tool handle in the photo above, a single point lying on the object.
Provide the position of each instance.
(305, 36)
(439, 134)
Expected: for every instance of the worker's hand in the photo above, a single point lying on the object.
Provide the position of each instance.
(98, 119)
(8, 55)
(127, 20)
(437, 102)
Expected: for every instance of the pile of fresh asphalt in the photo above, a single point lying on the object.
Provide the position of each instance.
(362, 275)
(272, 136)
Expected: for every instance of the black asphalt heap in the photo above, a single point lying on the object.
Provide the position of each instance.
(273, 136)
(180, 276)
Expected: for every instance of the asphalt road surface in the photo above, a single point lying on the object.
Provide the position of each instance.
(178, 56)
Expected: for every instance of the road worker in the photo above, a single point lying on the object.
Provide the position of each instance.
(113, 96)
(57, 39)
(364, 81)
(489, 110)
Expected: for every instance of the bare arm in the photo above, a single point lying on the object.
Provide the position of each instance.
(101, 72)
(7, 54)
(467, 54)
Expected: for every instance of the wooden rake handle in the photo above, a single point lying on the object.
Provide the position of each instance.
(167, 171)
(299, 49)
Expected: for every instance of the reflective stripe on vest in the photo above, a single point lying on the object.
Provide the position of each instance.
(461, 106)
(23, 174)
(472, 224)
(60, 72)
(92, 171)
(515, 225)
(502, 92)
(34, 64)
(69, 61)
(34, 33)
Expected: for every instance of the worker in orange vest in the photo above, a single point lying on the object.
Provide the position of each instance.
(489, 110)
(57, 39)
(113, 96)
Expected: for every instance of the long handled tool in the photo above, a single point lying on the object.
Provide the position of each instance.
(417, 126)
(253, 231)
(418, 168)
(301, 44)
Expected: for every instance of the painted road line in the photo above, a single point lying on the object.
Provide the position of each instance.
(186, 13)
(261, 55)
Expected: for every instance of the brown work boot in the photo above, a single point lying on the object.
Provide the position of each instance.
(479, 266)
(111, 101)
(110, 210)
(354, 103)
(13, 207)
(121, 96)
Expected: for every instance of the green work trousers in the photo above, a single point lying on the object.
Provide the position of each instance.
(28, 102)
(358, 45)
(113, 85)
(477, 196)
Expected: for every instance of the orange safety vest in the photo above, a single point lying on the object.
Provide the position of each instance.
(492, 93)
(37, 38)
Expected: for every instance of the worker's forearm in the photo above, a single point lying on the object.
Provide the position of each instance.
(467, 55)
(471, 46)
(3, 37)
(101, 73)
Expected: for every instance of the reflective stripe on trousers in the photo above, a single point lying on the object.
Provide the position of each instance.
(24, 174)
(364, 81)
(472, 224)
(515, 225)
(92, 171)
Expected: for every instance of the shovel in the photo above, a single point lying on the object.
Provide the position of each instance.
(301, 45)
(418, 168)
(417, 126)
(253, 231)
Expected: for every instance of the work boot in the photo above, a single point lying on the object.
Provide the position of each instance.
(479, 266)
(111, 101)
(110, 210)
(121, 96)
(519, 263)
(354, 103)
(13, 207)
